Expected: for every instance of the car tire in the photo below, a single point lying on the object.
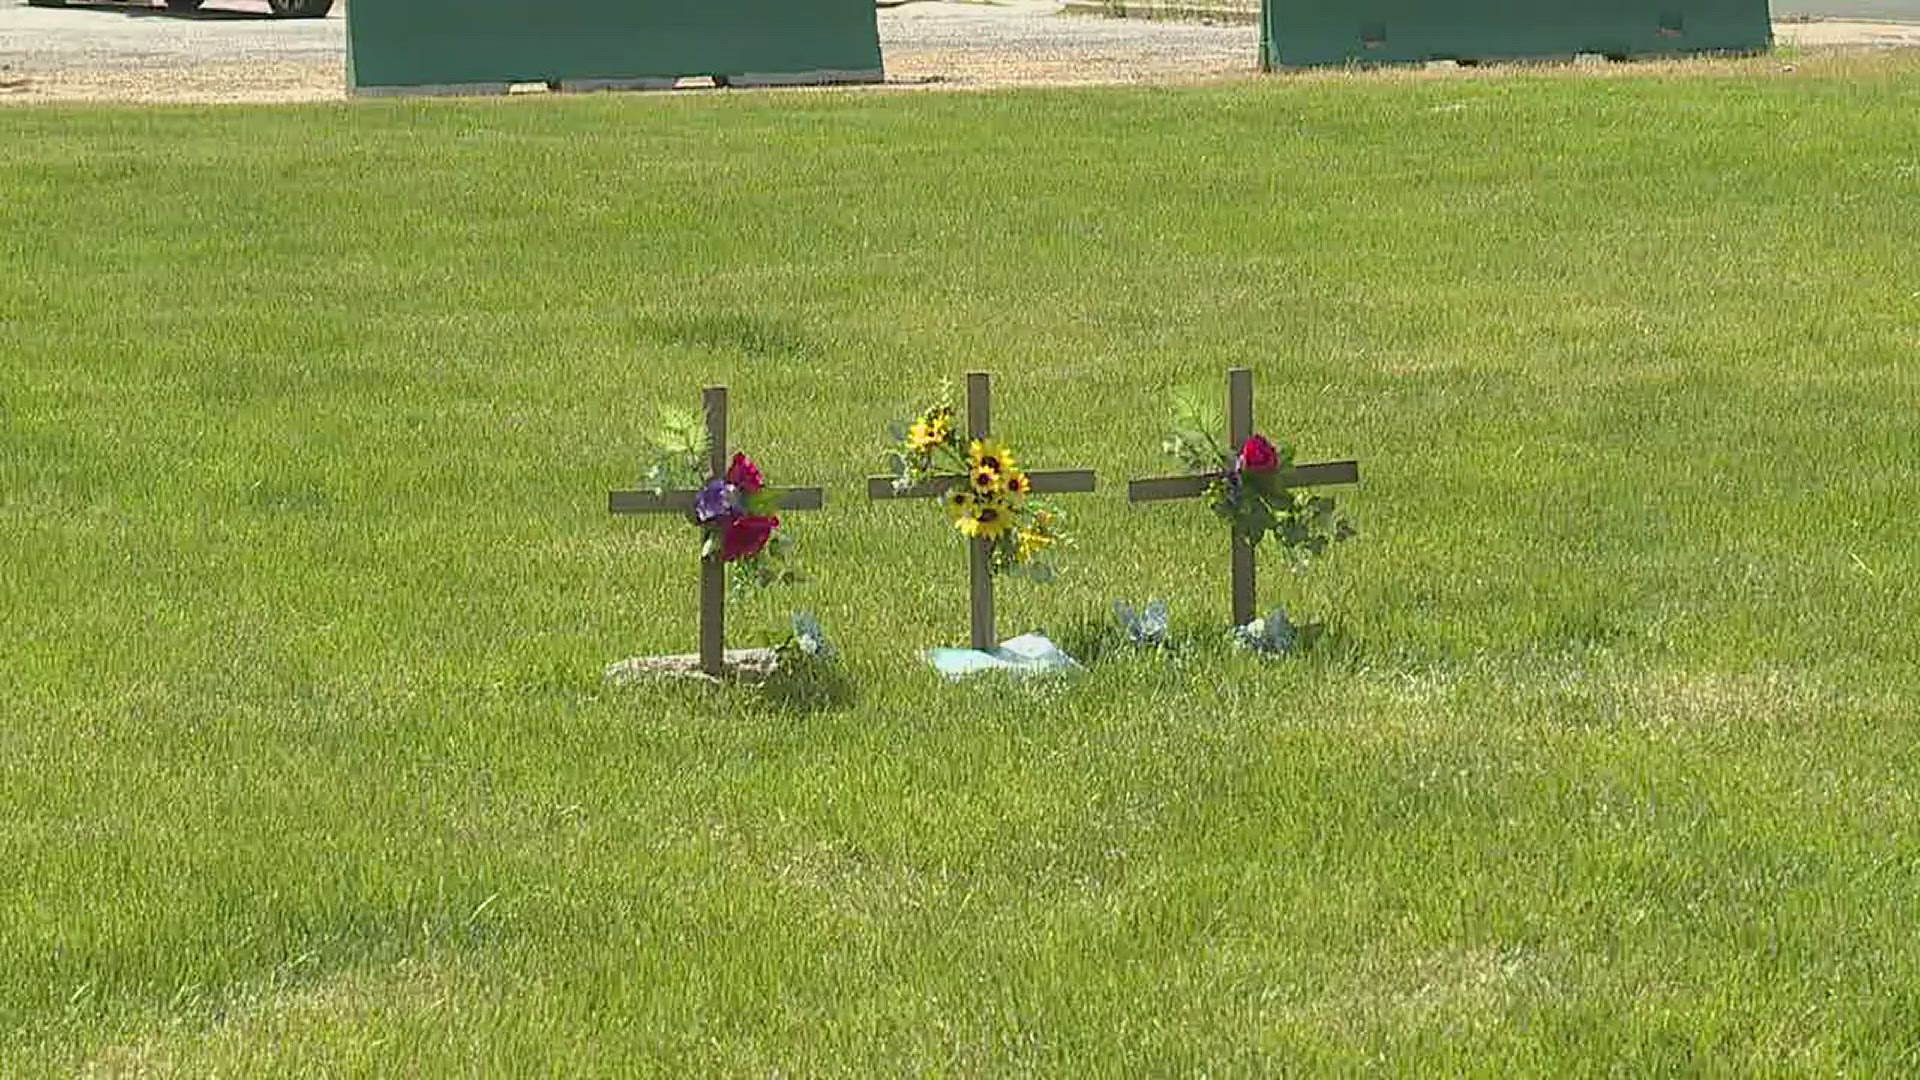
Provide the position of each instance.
(301, 9)
(46, 3)
(183, 5)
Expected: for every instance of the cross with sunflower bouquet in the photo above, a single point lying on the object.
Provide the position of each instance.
(988, 495)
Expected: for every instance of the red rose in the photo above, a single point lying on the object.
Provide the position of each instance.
(744, 474)
(745, 536)
(1259, 455)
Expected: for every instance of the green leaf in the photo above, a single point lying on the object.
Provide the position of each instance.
(1257, 520)
(1265, 484)
(676, 451)
(763, 503)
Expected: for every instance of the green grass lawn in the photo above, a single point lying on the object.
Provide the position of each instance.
(307, 417)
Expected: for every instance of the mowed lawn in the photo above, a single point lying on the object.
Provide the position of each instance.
(1608, 762)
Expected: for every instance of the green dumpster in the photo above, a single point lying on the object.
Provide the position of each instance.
(486, 46)
(1305, 33)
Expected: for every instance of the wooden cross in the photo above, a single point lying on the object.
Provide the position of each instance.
(1045, 482)
(713, 572)
(1239, 430)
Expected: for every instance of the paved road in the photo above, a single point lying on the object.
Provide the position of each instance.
(230, 31)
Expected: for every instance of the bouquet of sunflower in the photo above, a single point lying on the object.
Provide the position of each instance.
(986, 493)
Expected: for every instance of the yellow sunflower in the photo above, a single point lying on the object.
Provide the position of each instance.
(1032, 542)
(960, 502)
(930, 430)
(985, 481)
(991, 454)
(985, 519)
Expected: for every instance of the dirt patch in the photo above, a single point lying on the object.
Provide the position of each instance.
(1819, 33)
(206, 84)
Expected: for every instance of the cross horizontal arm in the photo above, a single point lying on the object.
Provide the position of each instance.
(1045, 482)
(681, 502)
(1161, 489)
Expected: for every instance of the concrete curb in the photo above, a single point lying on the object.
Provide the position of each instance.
(1891, 30)
(1159, 9)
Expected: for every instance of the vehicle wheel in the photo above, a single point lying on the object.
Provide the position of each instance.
(46, 3)
(183, 5)
(301, 9)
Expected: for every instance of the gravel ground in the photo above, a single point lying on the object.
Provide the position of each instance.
(1858, 10)
(233, 52)
(1029, 41)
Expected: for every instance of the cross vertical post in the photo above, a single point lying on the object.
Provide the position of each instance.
(713, 571)
(980, 572)
(1239, 430)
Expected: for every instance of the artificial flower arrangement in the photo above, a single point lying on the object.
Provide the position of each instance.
(807, 643)
(991, 499)
(1274, 634)
(1248, 491)
(1145, 626)
(735, 511)
(1278, 635)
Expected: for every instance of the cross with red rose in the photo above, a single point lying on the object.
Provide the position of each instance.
(1255, 454)
(731, 535)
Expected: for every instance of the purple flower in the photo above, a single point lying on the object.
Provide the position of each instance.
(715, 503)
(1236, 486)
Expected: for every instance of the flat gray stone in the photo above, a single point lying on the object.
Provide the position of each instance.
(743, 665)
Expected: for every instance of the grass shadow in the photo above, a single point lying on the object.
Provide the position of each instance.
(808, 688)
(756, 337)
(1091, 640)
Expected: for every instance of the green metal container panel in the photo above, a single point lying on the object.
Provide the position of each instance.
(1305, 33)
(440, 46)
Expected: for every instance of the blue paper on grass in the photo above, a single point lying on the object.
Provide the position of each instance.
(1028, 654)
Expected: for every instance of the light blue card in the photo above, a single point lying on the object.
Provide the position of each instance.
(1028, 654)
